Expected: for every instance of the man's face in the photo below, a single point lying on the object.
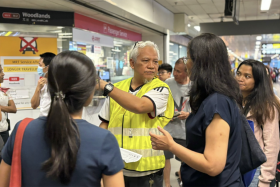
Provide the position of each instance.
(180, 73)
(146, 65)
(163, 74)
(42, 65)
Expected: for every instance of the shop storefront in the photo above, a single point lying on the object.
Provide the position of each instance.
(177, 48)
(107, 45)
(27, 33)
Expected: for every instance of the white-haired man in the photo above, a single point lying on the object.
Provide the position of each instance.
(135, 107)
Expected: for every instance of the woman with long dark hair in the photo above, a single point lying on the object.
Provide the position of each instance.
(262, 107)
(62, 149)
(213, 152)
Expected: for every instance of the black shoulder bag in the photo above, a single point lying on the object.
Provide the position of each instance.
(252, 155)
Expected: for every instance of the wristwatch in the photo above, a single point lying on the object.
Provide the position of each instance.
(107, 89)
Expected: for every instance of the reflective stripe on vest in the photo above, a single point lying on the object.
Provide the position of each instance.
(132, 130)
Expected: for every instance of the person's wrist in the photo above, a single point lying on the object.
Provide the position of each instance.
(171, 146)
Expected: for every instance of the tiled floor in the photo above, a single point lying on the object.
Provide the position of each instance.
(175, 165)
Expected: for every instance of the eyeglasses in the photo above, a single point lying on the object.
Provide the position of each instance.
(139, 42)
(162, 72)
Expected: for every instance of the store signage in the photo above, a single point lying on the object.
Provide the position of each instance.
(84, 22)
(97, 49)
(266, 59)
(26, 46)
(92, 38)
(15, 80)
(270, 48)
(37, 17)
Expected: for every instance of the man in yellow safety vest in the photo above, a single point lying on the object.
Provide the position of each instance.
(135, 107)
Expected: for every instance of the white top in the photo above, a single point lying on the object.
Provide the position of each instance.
(4, 100)
(45, 101)
(159, 97)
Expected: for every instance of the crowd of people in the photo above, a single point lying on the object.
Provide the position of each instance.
(194, 115)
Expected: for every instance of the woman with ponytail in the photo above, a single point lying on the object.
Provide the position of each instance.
(62, 149)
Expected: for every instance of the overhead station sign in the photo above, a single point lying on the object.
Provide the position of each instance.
(36, 17)
(270, 48)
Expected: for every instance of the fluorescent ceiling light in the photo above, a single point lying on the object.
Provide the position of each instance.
(171, 44)
(60, 27)
(259, 37)
(57, 31)
(118, 42)
(197, 28)
(180, 46)
(16, 34)
(265, 5)
(189, 25)
(258, 43)
(117, 45)
(65, 34)
(65, 37)
(8, 33)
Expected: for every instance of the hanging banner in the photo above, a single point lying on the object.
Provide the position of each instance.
(36, 17)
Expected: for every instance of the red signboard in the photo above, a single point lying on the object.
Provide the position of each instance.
(13, 78)
(87, 23)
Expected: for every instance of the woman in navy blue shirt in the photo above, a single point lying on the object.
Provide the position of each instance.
(213, 152)
(62, 149)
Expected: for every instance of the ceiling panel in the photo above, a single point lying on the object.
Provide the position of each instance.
(209, 8)
(209, 20)
(184, 9)
(250, 7)
(218, 1)
(204, 1)
(197, 9)
(190, 2)
(167, 5)
(175, 2)
(273, 16)
(250, 18)
(216, 15)
(203, 16)
(220, 7)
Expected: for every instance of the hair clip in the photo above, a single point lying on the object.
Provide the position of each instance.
(59, 94)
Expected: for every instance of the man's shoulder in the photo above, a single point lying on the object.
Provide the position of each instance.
(170, 80)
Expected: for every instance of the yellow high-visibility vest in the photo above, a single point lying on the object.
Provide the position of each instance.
(132, 130)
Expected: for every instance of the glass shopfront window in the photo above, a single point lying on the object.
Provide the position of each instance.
(114, 60)
(176, 51)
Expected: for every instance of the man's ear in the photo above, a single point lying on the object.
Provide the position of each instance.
(169, 74)
(131, 63)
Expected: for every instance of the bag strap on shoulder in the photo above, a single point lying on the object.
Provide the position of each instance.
(15, 178)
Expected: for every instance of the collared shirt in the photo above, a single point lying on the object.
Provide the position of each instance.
(4, 101)
(45, 101)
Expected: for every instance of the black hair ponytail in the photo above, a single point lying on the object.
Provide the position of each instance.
(71, 82)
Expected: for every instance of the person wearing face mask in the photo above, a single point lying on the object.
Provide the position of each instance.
(41, 96)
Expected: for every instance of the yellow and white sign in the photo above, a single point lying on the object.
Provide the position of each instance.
(19, 57)
(21, 61)
(11, 69)
(26, 46)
